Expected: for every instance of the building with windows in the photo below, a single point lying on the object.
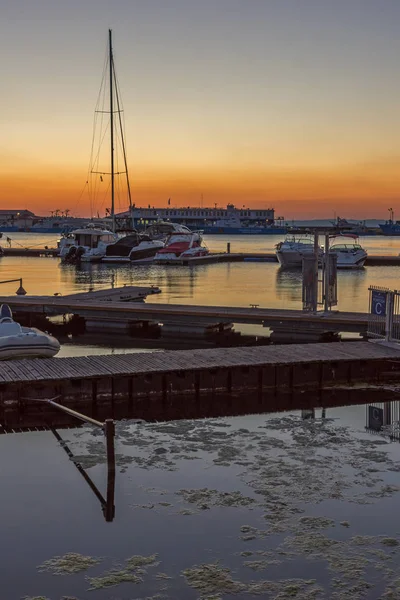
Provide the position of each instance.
(201, 217)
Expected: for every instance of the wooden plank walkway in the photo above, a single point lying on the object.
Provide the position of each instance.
(90, 367)
(186, 314)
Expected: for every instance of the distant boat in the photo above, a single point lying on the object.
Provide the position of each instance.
(350, 255)
(390, 227)
(291, 251)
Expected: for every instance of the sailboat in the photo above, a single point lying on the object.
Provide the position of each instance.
(90, 243)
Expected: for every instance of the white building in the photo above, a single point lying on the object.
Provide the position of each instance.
(200, 216)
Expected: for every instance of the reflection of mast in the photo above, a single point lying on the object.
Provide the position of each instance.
(107, 506)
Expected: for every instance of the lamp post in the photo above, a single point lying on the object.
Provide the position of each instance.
(20, 291)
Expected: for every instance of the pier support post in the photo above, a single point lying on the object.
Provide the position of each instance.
(228, 248)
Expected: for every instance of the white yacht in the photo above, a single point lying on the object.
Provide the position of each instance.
(23, 342)
(133, 247)
(350, 255)
(162, 230)
(88, 244)
(290, 252)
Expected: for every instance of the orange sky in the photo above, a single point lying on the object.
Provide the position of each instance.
(362, 191)
(291, 105)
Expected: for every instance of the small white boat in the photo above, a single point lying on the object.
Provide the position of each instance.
(23, 342)
(88, 244)
(163, 230)
(290, 252)
(350, 255)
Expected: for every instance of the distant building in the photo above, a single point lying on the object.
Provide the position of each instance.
(201, 216)
(17, 217)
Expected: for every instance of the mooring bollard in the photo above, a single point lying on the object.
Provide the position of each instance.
(228, 248)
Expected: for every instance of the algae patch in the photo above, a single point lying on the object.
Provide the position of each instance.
(135, 567)
(68, 564)
(112, 578)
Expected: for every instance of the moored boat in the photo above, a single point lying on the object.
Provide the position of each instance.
(350, 255)
(88, 244)
(180, 245)
(290, 252)
(132, 247)
(23, 342)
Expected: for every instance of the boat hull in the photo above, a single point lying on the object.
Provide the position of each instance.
(390, 228)
(145, 254)
(34, 344)
(291, 258)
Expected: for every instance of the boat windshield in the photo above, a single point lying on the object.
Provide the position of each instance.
(299, 240)
(340, 247)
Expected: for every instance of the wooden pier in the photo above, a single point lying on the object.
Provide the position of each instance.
(190, 319)
(141, 377)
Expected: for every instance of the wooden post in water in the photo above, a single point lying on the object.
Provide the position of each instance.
(228, 248)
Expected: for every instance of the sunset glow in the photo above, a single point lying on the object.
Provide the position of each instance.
(273, 104)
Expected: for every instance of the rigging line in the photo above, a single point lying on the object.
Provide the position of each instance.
(105, 195)
(99, 102)
(80, 195)
(122, 138)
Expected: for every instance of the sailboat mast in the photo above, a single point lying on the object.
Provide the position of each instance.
(111, 61)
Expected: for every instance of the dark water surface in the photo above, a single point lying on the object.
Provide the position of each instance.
(269, 498)
(233, 507)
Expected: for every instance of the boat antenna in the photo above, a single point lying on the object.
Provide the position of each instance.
(112, 127)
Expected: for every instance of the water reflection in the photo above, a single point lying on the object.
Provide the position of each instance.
(288, 284)
(107, 504)
(179, 281)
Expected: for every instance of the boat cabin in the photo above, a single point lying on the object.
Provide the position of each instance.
(90, 238)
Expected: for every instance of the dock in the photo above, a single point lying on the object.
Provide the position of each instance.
(125, 309)
(122, 310)
(147, 378)
(213, 257)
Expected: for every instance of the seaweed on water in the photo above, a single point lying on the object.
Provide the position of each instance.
(212, 579)
(112, 578)
(69, 563)
(135, 567)
(138, 560)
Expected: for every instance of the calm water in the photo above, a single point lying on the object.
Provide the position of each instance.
(211, 492)
(268, 498)
(236, 284)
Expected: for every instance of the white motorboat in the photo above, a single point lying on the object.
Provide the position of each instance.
(23, 342)
(290, 252)
(181, 244)
(162, 230)
(133, 247)
(350, 255)
(88, 244)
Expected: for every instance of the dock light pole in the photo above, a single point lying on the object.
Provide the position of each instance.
(20, 291)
